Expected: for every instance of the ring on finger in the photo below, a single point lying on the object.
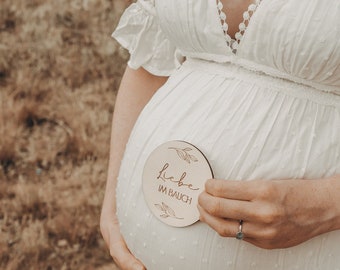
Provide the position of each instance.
(240, 234)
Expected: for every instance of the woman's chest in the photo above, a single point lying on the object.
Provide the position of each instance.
(198, 23)
(299, 37)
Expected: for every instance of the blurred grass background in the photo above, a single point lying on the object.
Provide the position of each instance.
(59, 72)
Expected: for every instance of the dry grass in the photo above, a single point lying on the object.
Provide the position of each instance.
(59, 70)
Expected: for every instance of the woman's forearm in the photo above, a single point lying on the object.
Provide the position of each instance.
(136, 89)
(334, 197)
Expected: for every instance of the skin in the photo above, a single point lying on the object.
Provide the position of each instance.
(234, 11)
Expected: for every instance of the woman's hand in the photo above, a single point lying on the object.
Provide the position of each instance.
(275, 214)
(120, 253)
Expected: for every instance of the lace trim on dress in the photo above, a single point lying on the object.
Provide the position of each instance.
(234, 43)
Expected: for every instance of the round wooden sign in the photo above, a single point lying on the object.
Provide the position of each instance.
(173, 177)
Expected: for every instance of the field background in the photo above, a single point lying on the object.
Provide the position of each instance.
(59, 73)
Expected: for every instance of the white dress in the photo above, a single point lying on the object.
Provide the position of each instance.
(270, 109)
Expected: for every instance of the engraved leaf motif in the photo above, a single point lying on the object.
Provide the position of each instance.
(193, 158)
(168, 209)
(165, 206)
(172, 213)
(160, 207)
(182, 153)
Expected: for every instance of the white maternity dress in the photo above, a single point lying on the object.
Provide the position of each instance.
(267, 107)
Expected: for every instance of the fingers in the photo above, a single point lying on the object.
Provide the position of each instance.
(225, 208)
(119, 251)
(224, 227)
(123, 257)
(240, 190)
(229, 227)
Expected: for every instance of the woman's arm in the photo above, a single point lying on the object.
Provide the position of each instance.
(276, 213)
(136, 89)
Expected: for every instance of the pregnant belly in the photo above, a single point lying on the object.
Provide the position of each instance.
(247, 131)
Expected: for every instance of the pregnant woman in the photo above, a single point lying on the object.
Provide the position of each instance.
(255, 85)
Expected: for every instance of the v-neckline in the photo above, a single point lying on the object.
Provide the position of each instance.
(234, 43)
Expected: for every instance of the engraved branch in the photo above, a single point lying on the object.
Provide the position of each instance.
(166, 211)
(183, 154)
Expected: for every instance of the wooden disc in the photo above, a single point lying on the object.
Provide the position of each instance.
(174, 175)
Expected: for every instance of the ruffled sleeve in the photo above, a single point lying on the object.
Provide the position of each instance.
(139, 32)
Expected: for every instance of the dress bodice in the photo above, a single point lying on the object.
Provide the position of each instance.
(289, 39)
(295, 40)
